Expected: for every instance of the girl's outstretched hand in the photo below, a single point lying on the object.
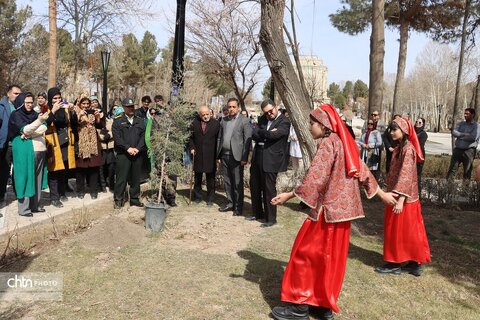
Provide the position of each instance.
(282, 198)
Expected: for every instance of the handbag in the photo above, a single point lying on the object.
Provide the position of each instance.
(50, 154)
(62, 134)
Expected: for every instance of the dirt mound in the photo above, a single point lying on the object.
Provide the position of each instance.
(206, 229)
(113, 232)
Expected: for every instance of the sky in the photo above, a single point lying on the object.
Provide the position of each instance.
(346, 57)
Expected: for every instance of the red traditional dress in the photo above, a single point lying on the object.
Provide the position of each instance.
(405, 238)
(314, 274)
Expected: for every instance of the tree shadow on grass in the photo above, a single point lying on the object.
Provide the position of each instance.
(265, 272)
(368, 257)
(14, 311)
(452, 235)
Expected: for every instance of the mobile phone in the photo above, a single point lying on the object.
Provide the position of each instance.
(65, 104)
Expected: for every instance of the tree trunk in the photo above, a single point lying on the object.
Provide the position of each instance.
(460, 67)
(477, 99)
(52, 44)
(402, 61)
(283, 73)
(377, 53)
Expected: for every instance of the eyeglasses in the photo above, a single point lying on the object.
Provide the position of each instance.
(269, 111)
(419, 122)
(375, 114)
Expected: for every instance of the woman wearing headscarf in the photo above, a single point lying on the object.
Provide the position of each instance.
(61, 125)
(370, 143)
(89, 155)
(422, 139)
(26, 130)
(405, 238)
(330, 188)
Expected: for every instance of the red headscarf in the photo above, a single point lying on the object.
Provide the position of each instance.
(407, 128)
(328, 116)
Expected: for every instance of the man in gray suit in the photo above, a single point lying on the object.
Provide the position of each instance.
(233, 148)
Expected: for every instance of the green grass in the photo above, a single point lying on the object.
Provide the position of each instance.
(177, 275)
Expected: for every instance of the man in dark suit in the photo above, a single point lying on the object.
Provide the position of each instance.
(203, 147)
(233, 148)
(270, 157)
(129, 138)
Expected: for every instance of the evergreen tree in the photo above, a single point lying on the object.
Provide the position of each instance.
(12, 23)
(360, 90)
(426, 16)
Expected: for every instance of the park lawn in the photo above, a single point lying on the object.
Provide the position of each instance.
(211, 265)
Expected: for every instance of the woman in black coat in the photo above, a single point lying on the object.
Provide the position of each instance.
(422, 139)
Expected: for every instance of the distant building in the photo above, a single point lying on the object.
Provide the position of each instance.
(315, 74)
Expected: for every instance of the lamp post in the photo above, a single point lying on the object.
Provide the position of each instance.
(178, 48)
(105, 62)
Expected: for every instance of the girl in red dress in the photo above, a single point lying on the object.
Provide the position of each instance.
(405, 239)
(314, 274)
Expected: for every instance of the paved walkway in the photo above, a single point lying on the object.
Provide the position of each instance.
(10, 219)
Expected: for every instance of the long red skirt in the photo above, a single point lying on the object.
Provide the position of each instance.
(405, 237)
(315, 272)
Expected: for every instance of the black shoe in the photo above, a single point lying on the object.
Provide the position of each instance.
(251, 218)
(103, 189)
(57, 203)
(321, 313)
(413, 268)
(237, 213)
(94, 196)
(38, 210)
(389, 268)
(81, 196)
(267, 224)
(26, 215)
(118, 205)
(63, 198)
(136, 204)
(171, 204)
(292, 312)
(197, 201)
(225, 209)
(209, 203)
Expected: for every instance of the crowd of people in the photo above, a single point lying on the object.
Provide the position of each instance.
(55, 140)
(44, 144)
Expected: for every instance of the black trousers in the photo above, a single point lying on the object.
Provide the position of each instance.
(263, 189)
(233, 180)
(57, 182)
(128, 169)
(197, 189)
(90, 174)
(465, 157)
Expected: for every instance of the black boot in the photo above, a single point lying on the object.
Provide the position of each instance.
(291, 312)
(321, 313)
(413, 268)
(389, 268)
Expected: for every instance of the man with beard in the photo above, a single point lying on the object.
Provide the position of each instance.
(270, 157)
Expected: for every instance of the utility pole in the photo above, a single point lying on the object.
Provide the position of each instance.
(178, 49)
